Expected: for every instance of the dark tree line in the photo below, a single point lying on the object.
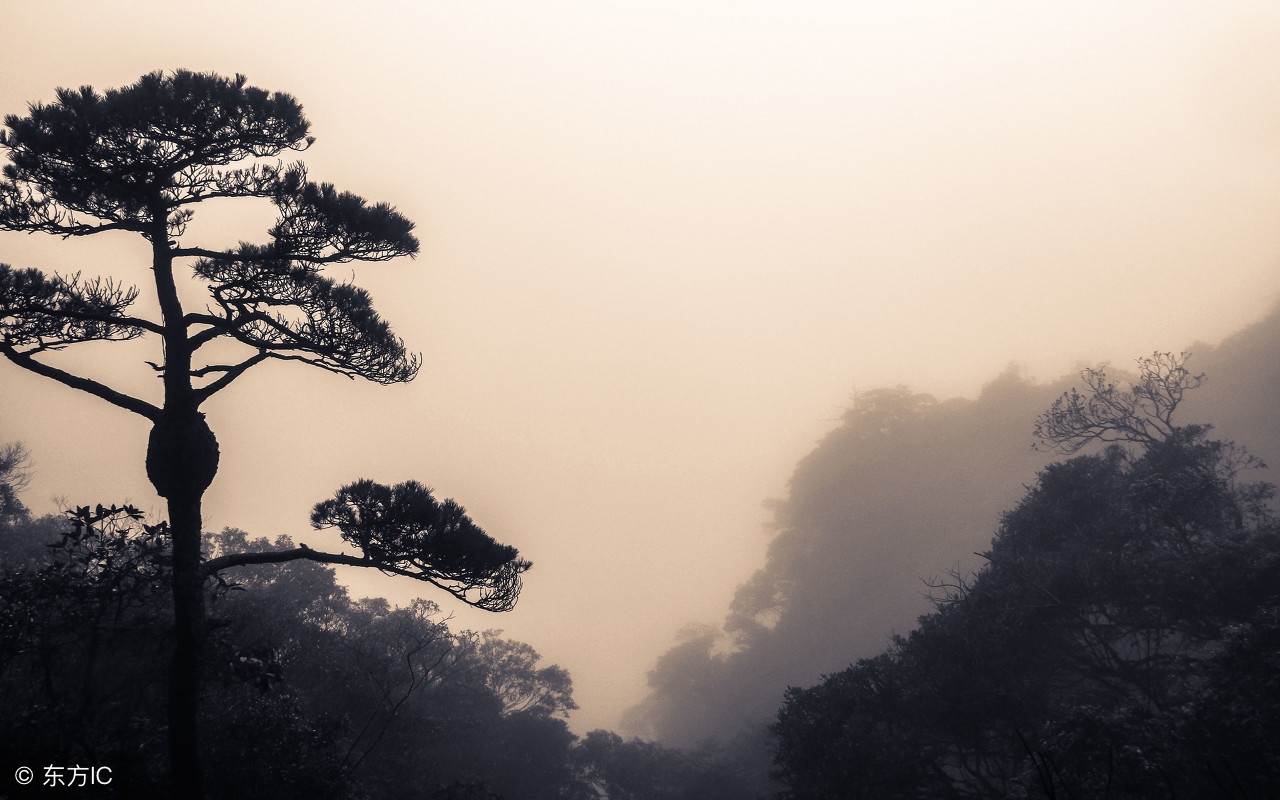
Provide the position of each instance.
(309, 693)
(1121, 640)
(904, 486)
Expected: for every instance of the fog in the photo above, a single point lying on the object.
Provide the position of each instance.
(886, 512)
(663, 248)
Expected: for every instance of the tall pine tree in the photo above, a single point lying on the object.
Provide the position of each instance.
(140, 159)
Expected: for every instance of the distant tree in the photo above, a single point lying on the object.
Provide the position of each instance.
(22, 537)
(1141, 414)
(629, 770)
(27, 540)
(511, 672)
(139, 160)
(1127, 603)
(611, 767)
(418, 709)
(13, 479)
(903, 486)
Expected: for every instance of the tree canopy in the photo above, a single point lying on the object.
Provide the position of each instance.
(140, 159)
(1095, 653)
(403, 530)
(309, 692)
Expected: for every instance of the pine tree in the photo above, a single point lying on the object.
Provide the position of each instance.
(140, 159)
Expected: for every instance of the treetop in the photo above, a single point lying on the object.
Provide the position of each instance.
(1142, 414)
(139, 159)
(157, 142)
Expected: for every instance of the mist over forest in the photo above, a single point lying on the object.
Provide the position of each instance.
(907, 488)
(341, 697)
(608, 275)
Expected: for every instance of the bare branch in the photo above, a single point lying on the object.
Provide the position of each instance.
(15, 474)
(15, 465)
(232, 372)
(1143, 414)
(218, 326)
(94, 388)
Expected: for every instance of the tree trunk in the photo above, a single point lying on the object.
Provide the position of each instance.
(182, 458)
(188, 647)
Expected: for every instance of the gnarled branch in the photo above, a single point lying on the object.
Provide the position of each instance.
(498, 594)
(1143, 414)
(292, 312)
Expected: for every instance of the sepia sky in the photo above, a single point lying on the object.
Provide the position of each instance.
(662, 245)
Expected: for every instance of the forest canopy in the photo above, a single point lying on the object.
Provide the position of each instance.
(904, 489)
(1120, 639)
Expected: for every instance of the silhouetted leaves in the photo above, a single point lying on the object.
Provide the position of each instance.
(1087, 658)
(121, 156)
(404, 529)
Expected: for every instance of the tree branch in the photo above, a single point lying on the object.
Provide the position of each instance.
(217, 327)
(232, 373)
(1105, 413)
(83, 384)
(223, 255)
(109, 319)
(487, 602)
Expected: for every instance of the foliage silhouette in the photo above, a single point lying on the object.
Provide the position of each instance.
(82, 643)
(900, 490)
(418, 707)
(403, 530)
(308, 692)
(1104, 413)
(1086, 658)
(140, 159)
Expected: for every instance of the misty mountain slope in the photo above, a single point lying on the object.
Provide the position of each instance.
(1243, 389)
(905, 489)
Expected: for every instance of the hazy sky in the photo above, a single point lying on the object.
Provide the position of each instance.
(663, 243)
